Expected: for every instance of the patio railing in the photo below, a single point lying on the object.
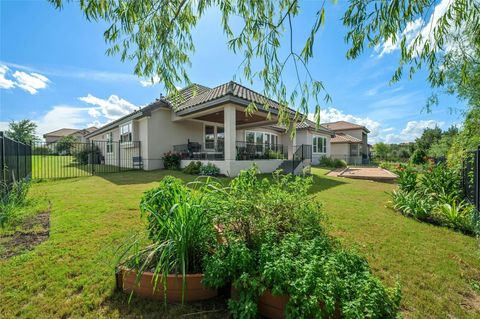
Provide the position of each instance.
(247, 151)
(197, 151)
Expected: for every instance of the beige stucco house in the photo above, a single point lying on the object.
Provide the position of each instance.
(350, 142)
(210, 125)
(78, 134)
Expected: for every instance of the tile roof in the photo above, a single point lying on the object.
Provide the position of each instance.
(343, 125)
(344, 138)
(227, 89)
(307, 124)
(70, 131)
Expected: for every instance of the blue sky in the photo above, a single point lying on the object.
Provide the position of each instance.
(53, 70)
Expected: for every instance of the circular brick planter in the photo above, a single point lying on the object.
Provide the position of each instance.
(194, 290)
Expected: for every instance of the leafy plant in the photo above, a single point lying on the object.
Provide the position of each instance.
(179, 228)
(413, 204)
(440, 179)
(407, 178)
(171, 160)
(12, 197)
(88, 154)
(274, 239)
(193, 168)
(418, 157)
(338, 163)
(329, 162)
(209, 170)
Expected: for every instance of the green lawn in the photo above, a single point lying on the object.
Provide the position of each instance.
(65, 166)
(71, 274)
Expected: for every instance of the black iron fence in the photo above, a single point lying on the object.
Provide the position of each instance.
(15, 159)
(64, 159)
(248, 151)
(471, 177)
(197, 151)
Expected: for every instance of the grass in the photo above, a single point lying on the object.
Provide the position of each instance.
(65, 166)
(71, 274)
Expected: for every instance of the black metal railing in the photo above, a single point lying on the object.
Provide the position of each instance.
(247, 151)
(64, 159)
(198, 151)
(471, 177)
(15, 159)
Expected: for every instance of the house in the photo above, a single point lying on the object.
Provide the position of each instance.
(211, 125)
(79, 134)
(350, 142)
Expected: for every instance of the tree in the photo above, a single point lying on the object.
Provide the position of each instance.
(429, 136)
(65, 144)
(157, 36)
(381, 150)
(22, 131)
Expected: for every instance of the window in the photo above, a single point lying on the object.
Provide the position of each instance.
(261, 139)
(353, 149)
(319, 144)
(209, 137)
(126, 133)
(109, 138)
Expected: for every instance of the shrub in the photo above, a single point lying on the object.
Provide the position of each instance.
(418, 157)
(13, 197)
(274, 239)
(88, 154)
(440, 179)
(193, 168)
(413, 204)
(337, 163)
(171, 160)
(329, 162)
(407, 177)
(209, 170)
(41, 150)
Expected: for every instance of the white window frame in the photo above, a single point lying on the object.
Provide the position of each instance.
(315, 145)
(109, 138)
(128, 132)
(265, 139)
(215, 134)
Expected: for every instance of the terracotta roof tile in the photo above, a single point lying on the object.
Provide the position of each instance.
(343, 125)
(344, 138)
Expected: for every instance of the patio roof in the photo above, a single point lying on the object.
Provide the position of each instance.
(345, 138)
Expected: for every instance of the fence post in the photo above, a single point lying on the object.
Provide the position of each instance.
(119, 169)
(2, 158)
(91, 158)
(18, 159)
(477, 179)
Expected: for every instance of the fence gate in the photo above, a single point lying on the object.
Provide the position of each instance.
(63, 159)
(471, 177)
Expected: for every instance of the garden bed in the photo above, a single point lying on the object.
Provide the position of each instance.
(34, 231)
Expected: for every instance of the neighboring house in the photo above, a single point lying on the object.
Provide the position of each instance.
(79, 134)
(350, 142)
(211, 125)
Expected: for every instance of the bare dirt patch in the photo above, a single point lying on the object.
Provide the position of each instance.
(34, 231)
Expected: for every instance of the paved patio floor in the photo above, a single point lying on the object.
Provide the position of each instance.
(369, 173)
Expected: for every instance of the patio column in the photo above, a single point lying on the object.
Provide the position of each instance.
(230, 127)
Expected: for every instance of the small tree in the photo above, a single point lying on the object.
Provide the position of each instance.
(22, 131)
(381, 150)
(65, 145)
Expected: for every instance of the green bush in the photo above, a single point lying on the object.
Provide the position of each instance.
(274, 239)
(171, 160)
(337, 163)
(41, 150)
(12, 197)
(418, 157)
(209, 170)
(407, 177)
(193, 168)
(88, 154)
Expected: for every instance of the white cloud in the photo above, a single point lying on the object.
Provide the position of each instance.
(4, 82)
(332, 114)
(3, 126)
(412, 130)
(418, 29)
(30, 82)
(150, 82)
(112, 108)
(62, 116)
